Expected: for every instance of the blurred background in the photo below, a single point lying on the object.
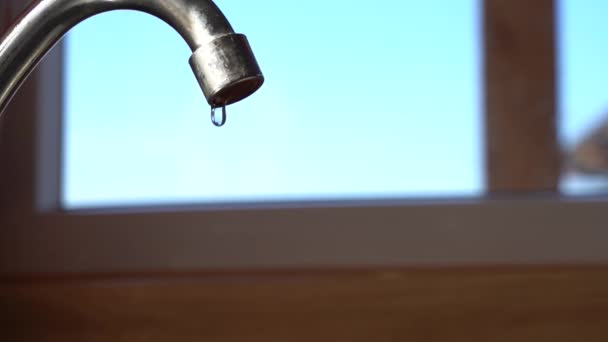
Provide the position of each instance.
(359, 102)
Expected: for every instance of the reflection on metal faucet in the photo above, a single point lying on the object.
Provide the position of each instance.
(222, 60)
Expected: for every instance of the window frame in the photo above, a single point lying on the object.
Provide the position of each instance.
(499, 228)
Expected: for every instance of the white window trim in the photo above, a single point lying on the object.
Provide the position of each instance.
(528, 231)
(39, 237)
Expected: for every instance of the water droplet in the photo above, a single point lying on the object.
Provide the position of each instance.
(214, 120)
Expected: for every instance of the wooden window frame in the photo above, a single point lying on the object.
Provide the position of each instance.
(499, 228)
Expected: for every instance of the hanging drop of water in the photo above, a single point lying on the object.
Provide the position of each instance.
(214, 120)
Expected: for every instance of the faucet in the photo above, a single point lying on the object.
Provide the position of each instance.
(222, 60)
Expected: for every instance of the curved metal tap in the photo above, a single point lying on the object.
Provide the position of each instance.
(222, 60)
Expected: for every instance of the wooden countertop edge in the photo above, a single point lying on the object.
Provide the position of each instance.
(309, 272)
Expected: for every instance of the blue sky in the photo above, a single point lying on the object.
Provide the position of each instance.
(360, 101)
(583, 67)
(583, 77)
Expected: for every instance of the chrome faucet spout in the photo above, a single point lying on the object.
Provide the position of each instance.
(222, 60)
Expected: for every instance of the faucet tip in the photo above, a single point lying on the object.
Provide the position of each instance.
(226, 70)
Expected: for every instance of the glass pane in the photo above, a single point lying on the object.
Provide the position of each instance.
(360, 101)
(583, 94)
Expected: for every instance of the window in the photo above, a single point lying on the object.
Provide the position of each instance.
(584, 101)
(490, 229)
(348, 111)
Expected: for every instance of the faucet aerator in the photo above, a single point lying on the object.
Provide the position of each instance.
(226, 70)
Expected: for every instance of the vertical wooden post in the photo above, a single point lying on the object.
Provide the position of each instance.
(522, 153)
(30, 133)
(17, 137)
